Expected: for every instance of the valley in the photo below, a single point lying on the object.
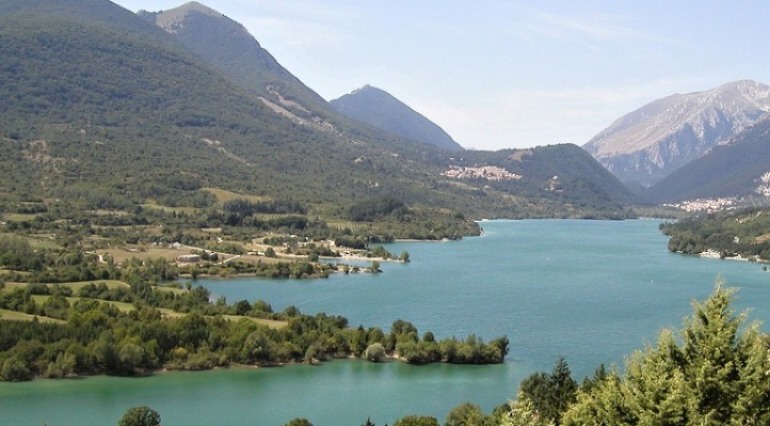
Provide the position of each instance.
(174, 199)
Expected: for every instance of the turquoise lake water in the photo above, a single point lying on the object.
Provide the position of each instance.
(592, 291)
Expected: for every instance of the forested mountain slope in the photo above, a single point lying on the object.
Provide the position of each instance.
(380, 109)
(743, 233)
(104, 110)
(228, 46)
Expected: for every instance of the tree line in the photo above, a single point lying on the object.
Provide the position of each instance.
(712, 371)
(96, 337)
(743, 232)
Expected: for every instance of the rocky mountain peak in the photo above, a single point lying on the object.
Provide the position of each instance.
(653, 141)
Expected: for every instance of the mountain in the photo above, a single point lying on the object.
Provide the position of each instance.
(646, 145)
(90, 11)
(566, 173)
(740, 168)
(111, 117)
(105, 110)
(380, 109)
(228, 46)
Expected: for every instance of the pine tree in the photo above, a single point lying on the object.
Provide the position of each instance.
(550, 394)
(713, 373)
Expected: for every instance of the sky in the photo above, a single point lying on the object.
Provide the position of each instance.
(510, 74)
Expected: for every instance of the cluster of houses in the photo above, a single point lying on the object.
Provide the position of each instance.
(484, 172)
(706, 205)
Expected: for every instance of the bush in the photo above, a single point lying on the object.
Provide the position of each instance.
(14, 370)
(140, 416)
(375, 352)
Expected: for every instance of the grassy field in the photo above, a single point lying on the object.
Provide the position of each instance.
(167, 209)
(123, 307)
(253, 259)
(224, 196)
(342, 224)
(39, 241)
(19, 217)
(120, 255)
(76, 286)
(270, 323)
(21, 316)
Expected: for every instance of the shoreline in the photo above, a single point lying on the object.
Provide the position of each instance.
(142, 374)
(714, 254)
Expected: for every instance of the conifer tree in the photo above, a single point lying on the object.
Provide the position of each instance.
(550, 394)
(714, 372)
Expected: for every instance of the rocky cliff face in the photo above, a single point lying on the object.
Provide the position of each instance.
(648, 144)
(739, 169)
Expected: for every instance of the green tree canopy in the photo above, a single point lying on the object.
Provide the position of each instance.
(467, 414)
(713, 372)
(140, 416)
(299, 422)
(413, 420)
(550, 394)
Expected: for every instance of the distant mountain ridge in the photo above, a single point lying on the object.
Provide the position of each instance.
(91, 11)
(653, 141)
(740, 168)
(381, 109)
(106, 110)
(228, 46)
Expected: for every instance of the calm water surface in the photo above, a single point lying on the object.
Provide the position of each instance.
(592, 291)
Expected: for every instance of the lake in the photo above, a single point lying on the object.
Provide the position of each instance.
(592, 291)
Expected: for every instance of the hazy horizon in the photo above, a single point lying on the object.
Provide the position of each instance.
(509, 74)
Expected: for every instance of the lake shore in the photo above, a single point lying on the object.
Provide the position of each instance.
(714, 254)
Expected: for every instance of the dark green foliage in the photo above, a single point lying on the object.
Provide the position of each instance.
(248, 208)
(351, 242)
(413, 420)
(732, 233)
(99, 338)
(17, 254)
(599, 376)
(377, 208)
(113, 114)
(713, 372)
(472, 350)
(226, 45)
(468, 414)
(375, 352)
(551, 394)
(132, 133)
(14, 370)
(299, 422)
(140, 416)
